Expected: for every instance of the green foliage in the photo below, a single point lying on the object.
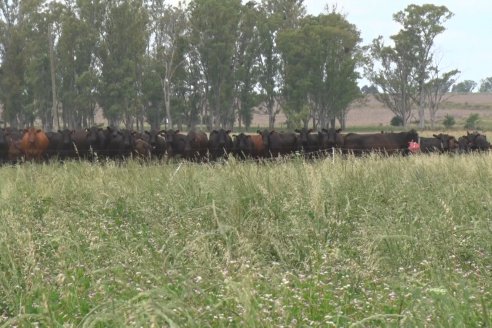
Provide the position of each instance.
(472, 121)
(396, 121)
(486, 85)
(122, 53)
(214, 31)
(466, 86)
(404, 67)
(320, 60)
(351, 241)
(448, 121)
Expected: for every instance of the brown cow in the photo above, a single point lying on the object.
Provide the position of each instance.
(142, 149)
(249, 146)
(34, 143)
(196, 146)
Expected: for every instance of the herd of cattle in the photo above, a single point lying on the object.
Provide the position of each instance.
(113, 143)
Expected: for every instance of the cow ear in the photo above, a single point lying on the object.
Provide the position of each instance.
(310, 130)
(297, 130)
(228, 131)
(25, 130)
(258, 131)
(436, 136)
(39, 130)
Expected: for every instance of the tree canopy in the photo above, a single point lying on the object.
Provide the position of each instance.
(210, 62)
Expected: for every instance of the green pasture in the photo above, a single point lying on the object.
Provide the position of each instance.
(339, 242)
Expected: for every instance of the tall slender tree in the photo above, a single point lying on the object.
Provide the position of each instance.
(214, 33)
(246, 62)
(321, 57)
(275, 16)
(421, 25)
(122, 52)
(437, 90)
(391, 71)
(169, 28)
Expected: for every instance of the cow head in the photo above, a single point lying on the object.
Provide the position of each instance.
(303, 137)
(265, 135)
(242, 145)
(448, 143)
(330, 138)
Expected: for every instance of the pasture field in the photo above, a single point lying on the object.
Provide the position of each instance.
(357, 242)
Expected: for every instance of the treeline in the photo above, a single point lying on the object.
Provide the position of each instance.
(145, 62)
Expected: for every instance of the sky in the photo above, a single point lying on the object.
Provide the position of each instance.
(466, 44)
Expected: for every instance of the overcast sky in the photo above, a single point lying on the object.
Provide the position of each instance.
(465, 45)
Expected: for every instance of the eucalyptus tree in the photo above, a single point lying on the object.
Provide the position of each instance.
(214, 33)
(39, 81)
(465, 86)
(391, 70)
(169, 28)
(246, 63)
(421, 25)
(80, 24)
(401, 71)
(321, 57)
(123, 45)
(486, 85)
(274, 16)
(192, 92)
(437, 90)
(13, 40)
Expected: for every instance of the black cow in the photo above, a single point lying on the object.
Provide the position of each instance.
(196, 146)
(175, 143)
(279, 143)
(13, 138)
(60, 144)
(80, 143)
(219, 144)
(157, 141)
(439, 143)
(4, 146)
(308, 142)
(247, 145)
(330, 138)
(473, 142)
(97, 142)
(120, 143)
(388, 143)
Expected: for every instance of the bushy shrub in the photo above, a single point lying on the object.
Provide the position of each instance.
(448, 121)
(396, 121)
(472, 121)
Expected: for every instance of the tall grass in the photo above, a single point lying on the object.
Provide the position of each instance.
(399, 241)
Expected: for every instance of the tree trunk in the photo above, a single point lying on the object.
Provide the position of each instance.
(271, 113)
(166, 88)
(54, 109)
(421, 110)
(432, 113)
